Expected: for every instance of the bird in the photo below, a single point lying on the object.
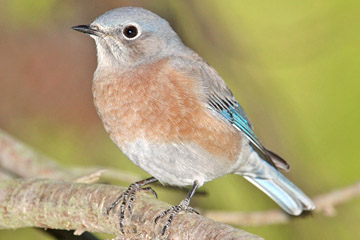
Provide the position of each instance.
(172, 114)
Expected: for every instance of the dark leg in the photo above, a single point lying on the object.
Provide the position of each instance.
(128, 197)
(183, 206)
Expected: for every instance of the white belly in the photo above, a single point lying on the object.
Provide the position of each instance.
(176, 164)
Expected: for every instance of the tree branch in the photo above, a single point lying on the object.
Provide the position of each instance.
(75, 205)
(16, 159)
(65, 205)
(19, 160)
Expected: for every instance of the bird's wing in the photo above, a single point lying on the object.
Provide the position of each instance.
(220, 99)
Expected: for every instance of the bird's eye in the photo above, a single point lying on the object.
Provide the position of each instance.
(130, 32)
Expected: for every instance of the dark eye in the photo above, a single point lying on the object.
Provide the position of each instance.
(130, 32)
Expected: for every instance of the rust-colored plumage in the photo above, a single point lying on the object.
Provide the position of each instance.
(157, 103)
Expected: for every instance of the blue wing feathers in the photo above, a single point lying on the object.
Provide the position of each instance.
(235, 114)
(241, 123)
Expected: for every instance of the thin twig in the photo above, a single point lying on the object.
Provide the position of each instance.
(115, 174)
(324, 203)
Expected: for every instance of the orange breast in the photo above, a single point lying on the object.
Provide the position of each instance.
(157, 103)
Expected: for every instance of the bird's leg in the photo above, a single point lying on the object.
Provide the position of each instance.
(128, 197)
(183, 206)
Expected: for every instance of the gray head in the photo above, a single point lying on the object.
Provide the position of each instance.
(128, 36)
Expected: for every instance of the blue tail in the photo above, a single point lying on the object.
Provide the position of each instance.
(283, 192)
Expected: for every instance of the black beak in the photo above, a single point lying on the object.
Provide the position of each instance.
(87, 29)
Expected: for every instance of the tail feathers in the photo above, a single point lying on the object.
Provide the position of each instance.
(284, 192)
(278, 161)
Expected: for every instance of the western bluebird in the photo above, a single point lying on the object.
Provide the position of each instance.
(173, 115)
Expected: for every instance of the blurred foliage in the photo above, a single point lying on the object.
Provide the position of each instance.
(29, 12)
(294, 66)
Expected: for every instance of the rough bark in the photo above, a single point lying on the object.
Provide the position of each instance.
(66, 205)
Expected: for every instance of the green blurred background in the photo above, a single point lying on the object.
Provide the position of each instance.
(294, 67)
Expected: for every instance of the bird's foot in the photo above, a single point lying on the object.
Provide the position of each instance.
(173, 211)
(127, 198)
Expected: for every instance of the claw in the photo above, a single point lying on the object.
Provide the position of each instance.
(149, 189)
(128, 197)
(114, 204)
(172, 212)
